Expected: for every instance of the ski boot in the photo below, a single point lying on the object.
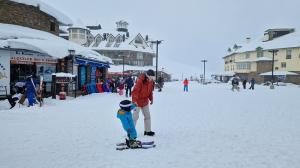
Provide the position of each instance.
(132, 143)
(150, 133)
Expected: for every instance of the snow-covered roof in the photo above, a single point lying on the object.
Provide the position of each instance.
(63, 19)
(19, 37)
(278, 73)
(123, 46)
(62, 74)
(286, 41)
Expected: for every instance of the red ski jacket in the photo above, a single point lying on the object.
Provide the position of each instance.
(142, 91)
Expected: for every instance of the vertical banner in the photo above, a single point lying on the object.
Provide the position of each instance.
(93, 74)
(4, 73)
(82, 75)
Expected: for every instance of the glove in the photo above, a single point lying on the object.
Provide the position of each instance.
(151, 102)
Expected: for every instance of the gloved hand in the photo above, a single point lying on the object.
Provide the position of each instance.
(151, 102)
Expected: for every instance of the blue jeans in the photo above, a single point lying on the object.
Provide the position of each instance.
(127, 123)
(186, 88)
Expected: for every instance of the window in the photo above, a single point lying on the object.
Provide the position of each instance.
(139, 56)
(288, 53)
(82, 31)
(260, 53)
(247, 55)
(52, 26)
(276, 68)
(243, 65)
(283, 65)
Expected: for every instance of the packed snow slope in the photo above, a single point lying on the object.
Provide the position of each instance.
(208, 127)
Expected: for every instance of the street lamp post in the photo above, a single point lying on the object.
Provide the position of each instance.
(123, 65)
(204, 61)
(157, 42)
(274, 52)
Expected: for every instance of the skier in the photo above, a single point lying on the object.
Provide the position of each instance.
(185, 85)
(244, 83)
(30, 91)
(141, 94)
(124, 114)
(129, 84)
(252, 83)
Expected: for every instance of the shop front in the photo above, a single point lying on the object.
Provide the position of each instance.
(90, 71)
(25, 63)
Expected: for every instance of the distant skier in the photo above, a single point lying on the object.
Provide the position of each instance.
(185, 85)
(252, 83)
(244, 83)
(124, 114)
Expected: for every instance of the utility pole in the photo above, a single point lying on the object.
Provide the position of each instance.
(204, 61)
(274, 52)
(157, 42)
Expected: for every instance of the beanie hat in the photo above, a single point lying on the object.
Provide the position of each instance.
(125, 105)
(150, 72)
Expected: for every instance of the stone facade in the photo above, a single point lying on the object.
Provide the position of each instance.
(27, 16)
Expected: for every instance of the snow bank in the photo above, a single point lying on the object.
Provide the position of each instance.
(63, 19)
(208, 127)
(20, 37)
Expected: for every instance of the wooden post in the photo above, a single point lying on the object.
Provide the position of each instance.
(53, 87)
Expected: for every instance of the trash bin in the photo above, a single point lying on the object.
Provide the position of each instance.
(62, 95)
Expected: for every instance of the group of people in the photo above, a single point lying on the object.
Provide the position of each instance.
(235, 83)
(110, 85)
(142, 98)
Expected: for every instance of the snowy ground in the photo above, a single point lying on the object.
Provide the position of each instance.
(209, 127)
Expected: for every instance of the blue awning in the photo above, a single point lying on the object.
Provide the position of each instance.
(82, 61)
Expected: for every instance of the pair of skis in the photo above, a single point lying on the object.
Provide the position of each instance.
(144, 145)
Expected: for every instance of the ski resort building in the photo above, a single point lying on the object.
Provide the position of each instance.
(133, 50)
(254, 58)
(30, 45)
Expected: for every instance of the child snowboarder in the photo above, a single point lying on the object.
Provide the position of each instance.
(125, 115)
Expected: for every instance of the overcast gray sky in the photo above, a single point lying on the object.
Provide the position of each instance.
(191, 29)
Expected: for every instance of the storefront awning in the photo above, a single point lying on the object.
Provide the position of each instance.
(82, 61)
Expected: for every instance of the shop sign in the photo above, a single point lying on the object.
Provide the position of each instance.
(4, 74)
(30, 58)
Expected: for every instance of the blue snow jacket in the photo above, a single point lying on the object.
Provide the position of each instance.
(127, 122)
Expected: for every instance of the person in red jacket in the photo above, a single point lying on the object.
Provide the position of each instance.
(185, 85)
(141, 95)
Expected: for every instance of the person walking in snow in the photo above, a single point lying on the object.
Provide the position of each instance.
(185, 85)
(141, 95)
(244, 83)
(252, 83)
(129, 84)
(125, 115)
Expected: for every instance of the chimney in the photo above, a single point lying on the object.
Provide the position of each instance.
(248, 40)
